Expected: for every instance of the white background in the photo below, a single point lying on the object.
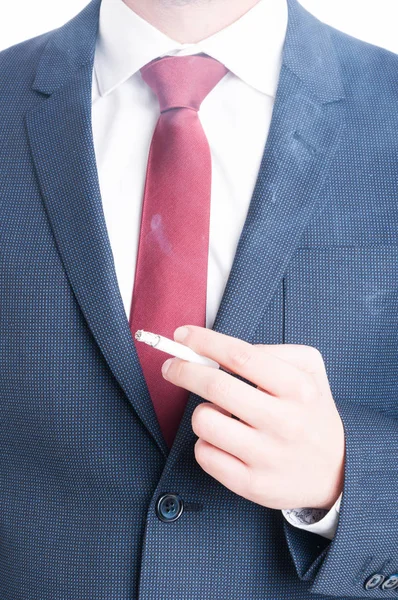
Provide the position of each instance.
(375, 21)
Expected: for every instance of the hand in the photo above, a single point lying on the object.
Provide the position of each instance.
(287, 449)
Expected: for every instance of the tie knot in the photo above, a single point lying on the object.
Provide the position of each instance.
(183, 81)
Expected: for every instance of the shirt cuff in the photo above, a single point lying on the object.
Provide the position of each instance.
(315, 520)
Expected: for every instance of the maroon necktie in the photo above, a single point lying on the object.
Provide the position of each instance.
(171, 270)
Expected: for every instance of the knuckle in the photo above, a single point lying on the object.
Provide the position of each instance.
(203, 343)
(313, 355)
(179, 368)
(217, 387)
(251, 451)
(305, 389)
(240, 358)
(292, 428)
(316, 352)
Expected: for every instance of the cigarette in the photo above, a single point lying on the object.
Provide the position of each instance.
(174, 348)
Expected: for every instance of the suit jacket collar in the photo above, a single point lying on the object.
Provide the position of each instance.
(308, 51)
(250, 47)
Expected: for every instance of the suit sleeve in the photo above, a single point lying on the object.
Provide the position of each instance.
(362, 557)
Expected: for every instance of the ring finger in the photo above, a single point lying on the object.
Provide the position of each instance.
(211, 424)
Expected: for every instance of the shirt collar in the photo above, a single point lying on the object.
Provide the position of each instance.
(251, 47)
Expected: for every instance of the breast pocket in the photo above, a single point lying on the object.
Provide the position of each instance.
(344, 301)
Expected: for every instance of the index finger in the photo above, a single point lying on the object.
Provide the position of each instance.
(273, 374)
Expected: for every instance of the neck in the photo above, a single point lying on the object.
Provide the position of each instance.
(190, 21)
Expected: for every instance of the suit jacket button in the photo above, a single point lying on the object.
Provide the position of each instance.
(169, 507)
(374, 581)
(391, 583)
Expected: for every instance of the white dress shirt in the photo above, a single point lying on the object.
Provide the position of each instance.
(235, 116)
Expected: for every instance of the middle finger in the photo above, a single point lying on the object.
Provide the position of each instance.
(255, 407)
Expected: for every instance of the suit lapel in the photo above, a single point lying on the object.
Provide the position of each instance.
(61, 143)
(306, 126)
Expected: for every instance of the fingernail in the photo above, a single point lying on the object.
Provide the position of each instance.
(165, 366)
(180, 334)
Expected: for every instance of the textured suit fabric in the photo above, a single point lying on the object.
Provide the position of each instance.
(82, 458)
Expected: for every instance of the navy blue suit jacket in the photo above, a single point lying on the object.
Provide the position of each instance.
(82, 458)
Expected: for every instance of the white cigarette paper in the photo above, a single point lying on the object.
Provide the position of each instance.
(174, 348)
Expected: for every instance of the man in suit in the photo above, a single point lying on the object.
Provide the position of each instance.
(274, 476)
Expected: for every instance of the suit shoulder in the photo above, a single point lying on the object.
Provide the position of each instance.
(368, 71)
